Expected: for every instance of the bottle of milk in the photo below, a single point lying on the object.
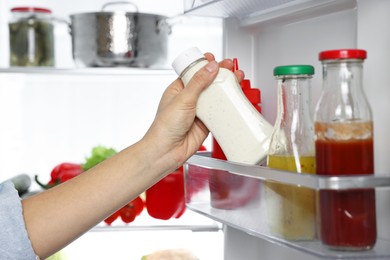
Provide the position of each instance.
(240, 130)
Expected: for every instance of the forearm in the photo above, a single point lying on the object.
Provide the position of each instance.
(56, 217)
(59, 215)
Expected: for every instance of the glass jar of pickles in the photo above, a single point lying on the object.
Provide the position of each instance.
(31, 37)
(292, 209)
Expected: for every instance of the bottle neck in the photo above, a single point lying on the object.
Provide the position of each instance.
(293, 131)
(343, 96)
(191, 69)
(294, 101)
(343, 76)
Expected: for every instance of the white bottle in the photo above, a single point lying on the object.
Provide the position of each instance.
(240, 130)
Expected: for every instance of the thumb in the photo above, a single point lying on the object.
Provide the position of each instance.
(201, 80)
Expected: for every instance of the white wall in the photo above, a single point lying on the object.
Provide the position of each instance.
(48, 119)
(54, 117)
(374, 36)
(299, 42)
(267, 45)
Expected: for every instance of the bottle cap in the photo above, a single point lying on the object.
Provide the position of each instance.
(293, 70)
(185, 59)
(343, 54)
(31, 9)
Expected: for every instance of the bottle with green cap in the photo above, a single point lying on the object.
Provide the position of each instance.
(291, 209)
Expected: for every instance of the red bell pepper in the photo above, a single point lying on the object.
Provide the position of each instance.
(127, 213)
(66, 171)
(61, 173)
(165, 199)
(131, 210)
(112, 218)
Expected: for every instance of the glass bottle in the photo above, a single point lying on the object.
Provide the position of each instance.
(344, 146)
(291, 209)
(31, 37)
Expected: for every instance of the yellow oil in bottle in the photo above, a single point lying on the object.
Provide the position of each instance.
(291, 209)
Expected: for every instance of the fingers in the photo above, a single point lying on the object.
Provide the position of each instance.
(227, 64)
(209, 56)
(201, 80)
(240, 75)
(170, 93)
(177, 86)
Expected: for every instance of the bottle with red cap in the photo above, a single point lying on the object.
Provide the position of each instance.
(345, 147)
(31, 37)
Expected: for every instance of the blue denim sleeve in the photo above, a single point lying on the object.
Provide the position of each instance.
(14, 241)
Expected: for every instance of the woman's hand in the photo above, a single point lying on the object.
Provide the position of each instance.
(176, 133)
(94, 195)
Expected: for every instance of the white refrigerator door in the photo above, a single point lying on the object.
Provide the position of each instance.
(297, 38)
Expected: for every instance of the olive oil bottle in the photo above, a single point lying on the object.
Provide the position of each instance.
(291, 209)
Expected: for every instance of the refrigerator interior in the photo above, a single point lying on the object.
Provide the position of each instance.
(49, 117)
(58, 114)
(265, 34)
(54, 115)
(192, 232)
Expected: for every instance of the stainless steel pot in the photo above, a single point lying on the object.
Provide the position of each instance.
(106, 39)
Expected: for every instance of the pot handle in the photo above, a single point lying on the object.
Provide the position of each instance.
(120, 3)
(169, 22)
(62, 21)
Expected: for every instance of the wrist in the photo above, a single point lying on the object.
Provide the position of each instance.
(156, 157)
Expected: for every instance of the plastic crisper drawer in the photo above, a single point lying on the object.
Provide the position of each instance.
(239, 196)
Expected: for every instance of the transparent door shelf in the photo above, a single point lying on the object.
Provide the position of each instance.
(237, 199)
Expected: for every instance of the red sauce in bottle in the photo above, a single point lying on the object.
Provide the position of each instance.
(344, 146)
(348, 218)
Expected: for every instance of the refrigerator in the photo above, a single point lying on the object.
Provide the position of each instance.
(58, 114)
(50, 115)
(266, 34)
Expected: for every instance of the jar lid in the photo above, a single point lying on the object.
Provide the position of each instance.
(293, 70)
(343, 54)
(186, 58)
(26, 9)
